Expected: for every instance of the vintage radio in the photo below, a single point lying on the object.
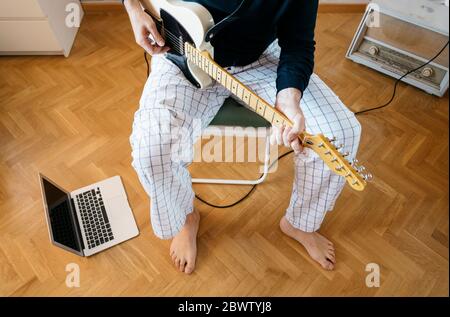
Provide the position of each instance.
(394, 44)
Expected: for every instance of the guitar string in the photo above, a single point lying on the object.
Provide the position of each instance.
(170, 33)
(177, 46)
(172, 37)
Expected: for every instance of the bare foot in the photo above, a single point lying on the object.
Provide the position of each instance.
(319, 248)
(183, 248)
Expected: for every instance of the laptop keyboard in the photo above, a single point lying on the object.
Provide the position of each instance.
(95, 220)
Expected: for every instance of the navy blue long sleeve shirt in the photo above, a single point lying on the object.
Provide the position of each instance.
(257, 26)
(262, 21)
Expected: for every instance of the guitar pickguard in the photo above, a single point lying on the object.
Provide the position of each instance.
(175, 34)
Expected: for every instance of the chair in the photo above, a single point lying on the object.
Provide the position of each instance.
(232, 114)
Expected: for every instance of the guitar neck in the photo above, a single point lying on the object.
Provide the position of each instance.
(204, 61)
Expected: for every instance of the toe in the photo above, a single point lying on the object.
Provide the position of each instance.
(190, 265)
(326, 264)
(182, 265)
(177, 262)
(331, 257)
(189, 268)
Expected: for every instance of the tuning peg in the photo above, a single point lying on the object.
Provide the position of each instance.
(339, 168)
(340, 146)
(354, 162)
(368, 177)
(360, 168)
(345, 154)
(333, 139)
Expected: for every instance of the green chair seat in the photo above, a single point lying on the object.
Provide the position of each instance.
(234, 114)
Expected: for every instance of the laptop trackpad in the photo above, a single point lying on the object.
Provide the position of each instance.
(122, 220)
(118, 207)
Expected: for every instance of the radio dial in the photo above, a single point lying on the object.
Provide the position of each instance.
(427, 72)
(373, 50)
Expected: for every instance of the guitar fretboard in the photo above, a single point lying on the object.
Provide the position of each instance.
(253, 101)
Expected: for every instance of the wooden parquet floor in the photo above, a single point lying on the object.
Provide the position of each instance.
(71, 119)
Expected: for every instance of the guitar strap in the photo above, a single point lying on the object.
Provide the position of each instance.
(226, 21)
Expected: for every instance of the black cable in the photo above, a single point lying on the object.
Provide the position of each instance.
(227, 206)
(249, 192)
(399, 80)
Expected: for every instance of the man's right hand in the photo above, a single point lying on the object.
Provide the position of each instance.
(144, 27)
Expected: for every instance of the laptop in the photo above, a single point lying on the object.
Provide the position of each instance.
(90, 219)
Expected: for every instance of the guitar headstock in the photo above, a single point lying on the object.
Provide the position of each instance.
(337, 161)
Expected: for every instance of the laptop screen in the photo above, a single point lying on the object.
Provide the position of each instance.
(61, 218)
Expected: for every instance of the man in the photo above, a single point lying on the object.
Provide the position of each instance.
(269, 46)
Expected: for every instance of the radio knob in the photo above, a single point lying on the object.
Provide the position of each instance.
(373, 50)
(427, 72)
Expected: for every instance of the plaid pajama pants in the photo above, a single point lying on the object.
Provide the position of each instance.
(170, 103)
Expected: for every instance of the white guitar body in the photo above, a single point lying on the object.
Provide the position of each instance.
(196, 20)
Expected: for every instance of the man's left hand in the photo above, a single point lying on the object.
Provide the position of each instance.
(288, 102)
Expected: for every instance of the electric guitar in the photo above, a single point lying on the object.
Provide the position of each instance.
(184, 26)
